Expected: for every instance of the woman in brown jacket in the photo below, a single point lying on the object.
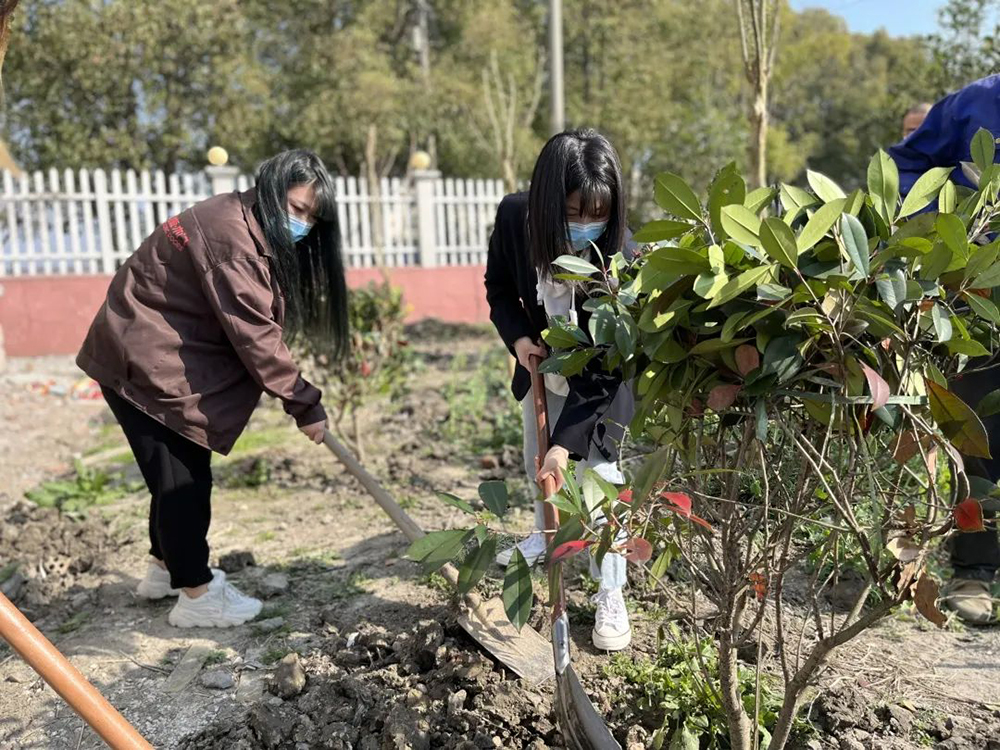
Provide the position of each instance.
(194, 329)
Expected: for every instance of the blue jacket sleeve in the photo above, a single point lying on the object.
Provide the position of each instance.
(944, 137)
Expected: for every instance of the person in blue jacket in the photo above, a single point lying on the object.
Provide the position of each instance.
(943, 140)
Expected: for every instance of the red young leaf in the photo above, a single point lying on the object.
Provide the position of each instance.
(700, 521)
(695, 408)
(680, 501)
(747, 359)
(878, 387)
(366, 369)
(682, 506)
(759, 581)
(566, 550)
(969, 515)
(925, 305)
(722, 396)
(638, 550)
(625, 496)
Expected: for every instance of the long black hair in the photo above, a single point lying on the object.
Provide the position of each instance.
(310, 273)
(575, 160)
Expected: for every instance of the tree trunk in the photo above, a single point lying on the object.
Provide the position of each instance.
(375, 196)
(509, 176)
(758, 136)
(740, 729)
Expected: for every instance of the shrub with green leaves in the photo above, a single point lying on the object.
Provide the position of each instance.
(87, 488)
(792, 351)
(377, 363)
(670, 690)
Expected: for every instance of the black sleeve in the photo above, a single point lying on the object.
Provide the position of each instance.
(590, 396)
(506, 311)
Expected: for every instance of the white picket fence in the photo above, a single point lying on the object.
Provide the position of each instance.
(90, 221)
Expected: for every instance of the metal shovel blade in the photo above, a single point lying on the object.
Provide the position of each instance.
(581, 725)
(525, 653)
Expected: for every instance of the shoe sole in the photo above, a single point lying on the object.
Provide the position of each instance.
(971, 620)
(611, 643)
(211, 624)
(153, 595)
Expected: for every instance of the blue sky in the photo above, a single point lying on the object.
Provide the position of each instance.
(898, 17)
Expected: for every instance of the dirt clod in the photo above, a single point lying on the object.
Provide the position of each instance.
(269, 625)
(54, 553)
(290, 677)
(456, 702)
(405, 730)
(219, 679)
(273, 584)
(234, 562)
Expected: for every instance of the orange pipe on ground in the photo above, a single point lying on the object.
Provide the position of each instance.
(66, 680)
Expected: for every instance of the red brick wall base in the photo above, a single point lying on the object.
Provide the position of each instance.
(45, 315)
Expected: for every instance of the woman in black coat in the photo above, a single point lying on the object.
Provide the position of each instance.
(576, 202)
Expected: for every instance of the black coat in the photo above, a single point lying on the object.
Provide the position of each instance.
(515, 312)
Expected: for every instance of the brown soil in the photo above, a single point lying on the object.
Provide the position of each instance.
(385, 664)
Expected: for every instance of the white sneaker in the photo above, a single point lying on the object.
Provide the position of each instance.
(156, 584)
(612, 631)
(533, 548)
(222, 606)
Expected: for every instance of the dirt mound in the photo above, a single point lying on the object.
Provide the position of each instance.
(857, 723)
(45, 554)
(427, 687)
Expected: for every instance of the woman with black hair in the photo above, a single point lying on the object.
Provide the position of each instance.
(194, 329)
(576, 205)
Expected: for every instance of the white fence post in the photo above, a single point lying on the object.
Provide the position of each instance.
(104, 239)
(427, 240)
(222, 179)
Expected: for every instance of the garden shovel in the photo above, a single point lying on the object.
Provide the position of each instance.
(581, 725)
(526, 653)
(67, 681)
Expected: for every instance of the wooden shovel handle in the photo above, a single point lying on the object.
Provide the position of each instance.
(399, 516)
(551, 513)
(66, 680)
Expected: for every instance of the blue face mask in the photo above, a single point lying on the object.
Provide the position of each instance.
(581, 235)
(298, 228)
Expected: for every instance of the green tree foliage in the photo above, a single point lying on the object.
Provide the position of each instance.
(139, 83)
(967, 44)
(837, 96)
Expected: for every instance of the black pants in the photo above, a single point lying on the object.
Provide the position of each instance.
(976, 555)
(178, 473)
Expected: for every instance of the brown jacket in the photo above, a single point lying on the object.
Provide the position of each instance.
(190, 331)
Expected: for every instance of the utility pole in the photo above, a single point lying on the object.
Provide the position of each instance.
(422, 41)
(558, 104)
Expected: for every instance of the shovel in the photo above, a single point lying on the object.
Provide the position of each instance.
(581, 725)
(66, 680)
(526, 653)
